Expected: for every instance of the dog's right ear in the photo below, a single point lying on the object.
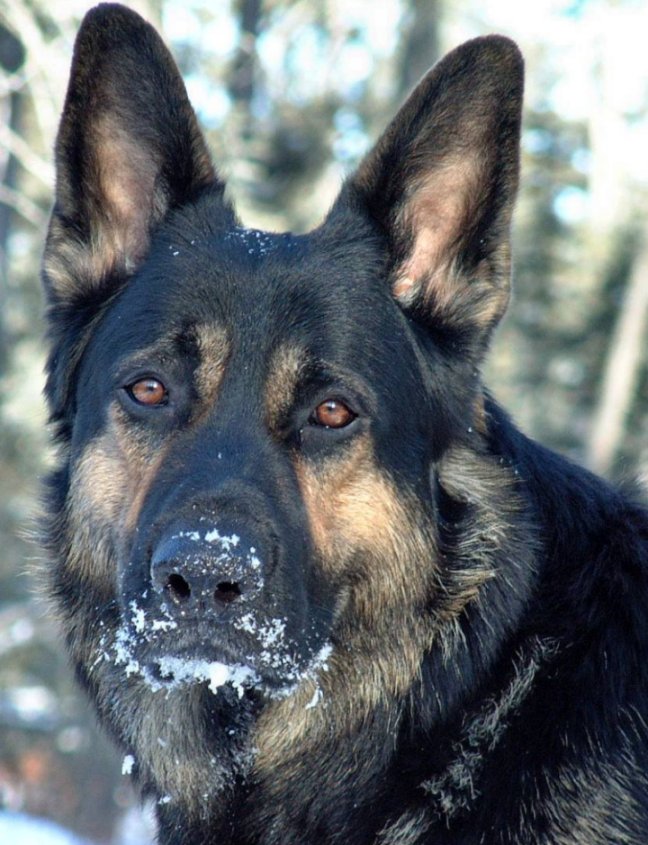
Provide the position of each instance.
(439, 186)
(128, 150)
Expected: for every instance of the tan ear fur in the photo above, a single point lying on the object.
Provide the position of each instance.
(128, 150)
(441, 184)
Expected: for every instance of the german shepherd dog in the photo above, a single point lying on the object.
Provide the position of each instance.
(317, 585)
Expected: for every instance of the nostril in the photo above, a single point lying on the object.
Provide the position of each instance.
(178, 588)
(226, 592)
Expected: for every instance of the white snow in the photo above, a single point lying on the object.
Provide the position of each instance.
(127, 764)
(163, 625)
(317, 697)
(18, 829)
(273, 649)
(190, 535)
(227, 543)
(139, 618)
(183, 671)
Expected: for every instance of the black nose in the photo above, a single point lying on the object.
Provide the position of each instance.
(201, 570)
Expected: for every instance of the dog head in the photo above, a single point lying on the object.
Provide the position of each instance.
(248, 421)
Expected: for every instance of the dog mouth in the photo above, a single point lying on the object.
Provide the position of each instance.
(251, 652)
(171, 671)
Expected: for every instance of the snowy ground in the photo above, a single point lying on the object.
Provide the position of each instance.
(17, 829)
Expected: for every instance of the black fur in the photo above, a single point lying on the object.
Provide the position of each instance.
(411, 623)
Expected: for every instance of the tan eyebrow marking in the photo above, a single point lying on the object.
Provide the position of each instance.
(213, 349)
(284, 371)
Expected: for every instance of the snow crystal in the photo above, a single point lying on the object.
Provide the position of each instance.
(214, 536)
(189, 535)
(317, 696)
(256, 241)
(321, 658)
(123, 654)
(163, 625)
(138, 618)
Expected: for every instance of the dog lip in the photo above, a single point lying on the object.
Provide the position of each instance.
(216, 669)
(202, 643)
(170, 670)
(244, 661)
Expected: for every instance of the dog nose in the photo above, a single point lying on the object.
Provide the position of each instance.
(204, 570)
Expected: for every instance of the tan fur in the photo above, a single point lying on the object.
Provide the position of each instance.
(119, 234)
(214, 349)
(71, 265)
(353, 505)
(449, 294)
(169, 749)
(110, 481)
(375, 544)
(127, 180)
(435, 212)
(99, 491)
(480, 418)
(585, 802)
(473, 478)
(284, 370)
(407, 830)
(438, 214)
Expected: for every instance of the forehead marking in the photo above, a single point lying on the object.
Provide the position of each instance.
(213, 349)
(284, 372)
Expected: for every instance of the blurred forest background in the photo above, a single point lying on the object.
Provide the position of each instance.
(291, 93)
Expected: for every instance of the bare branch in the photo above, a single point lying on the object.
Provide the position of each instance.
(621, 375)
(23, 206)
(29, 160)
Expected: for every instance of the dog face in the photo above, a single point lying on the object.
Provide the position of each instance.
(238, 439)
(254, 426)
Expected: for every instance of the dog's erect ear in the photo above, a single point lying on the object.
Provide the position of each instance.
(441, 184)
(128, 150)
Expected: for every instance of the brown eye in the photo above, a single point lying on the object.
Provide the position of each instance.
(333, 414)
(148, 391)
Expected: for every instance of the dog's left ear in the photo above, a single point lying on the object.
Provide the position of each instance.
(440, 185)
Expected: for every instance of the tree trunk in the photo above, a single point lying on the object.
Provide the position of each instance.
(621, 375)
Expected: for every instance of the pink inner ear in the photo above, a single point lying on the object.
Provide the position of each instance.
(435, 213)
(127, 179)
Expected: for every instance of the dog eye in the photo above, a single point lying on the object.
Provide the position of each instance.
(332, 414)
(148, 391)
